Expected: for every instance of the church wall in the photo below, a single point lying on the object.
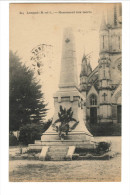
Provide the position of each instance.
(105, 112)
(114, 69)
(104, 73)
(104, 46)
(115, 40)
(107, 97)
(114, 113)
(119, 101)
(115, 36)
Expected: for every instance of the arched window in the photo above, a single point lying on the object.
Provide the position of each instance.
(93, 100)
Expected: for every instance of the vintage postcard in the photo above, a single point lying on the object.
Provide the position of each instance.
(65, 92)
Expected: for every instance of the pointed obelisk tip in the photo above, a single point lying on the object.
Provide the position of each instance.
(68, 75)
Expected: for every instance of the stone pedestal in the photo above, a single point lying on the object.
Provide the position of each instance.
(69, 98)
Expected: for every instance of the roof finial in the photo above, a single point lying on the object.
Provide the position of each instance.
(115, 15)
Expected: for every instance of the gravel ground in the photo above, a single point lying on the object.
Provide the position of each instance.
(70, 171)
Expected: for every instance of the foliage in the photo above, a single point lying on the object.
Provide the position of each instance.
(29, 133)
(25, 96)
(104, 129)
(47, 124)
(88, 118)
(101, 150)
(13, 140)
(103, 147)
(65, 117)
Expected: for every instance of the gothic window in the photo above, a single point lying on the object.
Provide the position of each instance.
(114, 40)
(93, 100)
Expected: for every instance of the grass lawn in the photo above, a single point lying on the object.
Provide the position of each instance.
(70, 171)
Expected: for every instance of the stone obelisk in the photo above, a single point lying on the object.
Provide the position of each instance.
(68, 94)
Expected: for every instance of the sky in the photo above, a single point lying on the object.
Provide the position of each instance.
(35, 24)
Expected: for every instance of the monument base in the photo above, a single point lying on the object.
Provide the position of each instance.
(78, 136)
(39, 144)
(51, 147)
(59, 150)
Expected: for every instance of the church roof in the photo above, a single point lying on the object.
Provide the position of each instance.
(92, 90)
(86, 68)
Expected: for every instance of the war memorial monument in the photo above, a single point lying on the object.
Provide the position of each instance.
(66, 99)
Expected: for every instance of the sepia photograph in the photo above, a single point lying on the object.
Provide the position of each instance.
(65, 92)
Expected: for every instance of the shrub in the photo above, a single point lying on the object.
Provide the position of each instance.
(103, 147)
(29, 133)
(13, 140)
(105, 129)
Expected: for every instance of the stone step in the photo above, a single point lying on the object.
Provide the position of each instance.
(35, 147)
(57, 158)
(57, 153)
(64, 143)
(58, 150)
(58, 147)
(53, 148)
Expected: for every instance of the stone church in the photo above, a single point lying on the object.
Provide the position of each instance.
(102, 86)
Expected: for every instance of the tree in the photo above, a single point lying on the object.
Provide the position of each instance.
(26, 101)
